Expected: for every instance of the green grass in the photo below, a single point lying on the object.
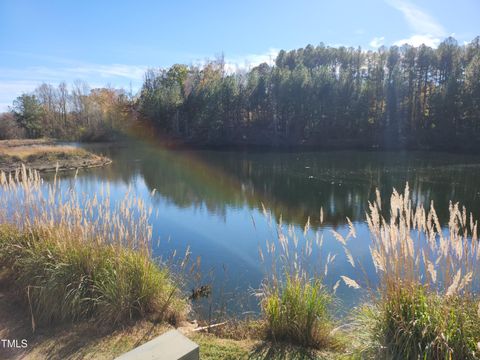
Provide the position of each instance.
(213, 348)
(297, 311)
(414, 323)
(65, 279)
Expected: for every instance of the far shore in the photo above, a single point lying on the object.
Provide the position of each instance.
(46, 155)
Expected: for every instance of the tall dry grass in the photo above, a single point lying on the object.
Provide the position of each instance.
(426, 304)
(65, 214)
(411, 246)
(296, 305)
(35, 151)
(80, 256)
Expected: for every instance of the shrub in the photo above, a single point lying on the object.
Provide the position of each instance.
(296, 306)
(297, 311)
(77, 258)
(426, 306)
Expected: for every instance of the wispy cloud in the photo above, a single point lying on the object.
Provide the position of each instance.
(427, 30)
(58, 73)
(420, 21)
(132, 72)
(15, 81)
(377, 42)
(417, 40)
(9, 90)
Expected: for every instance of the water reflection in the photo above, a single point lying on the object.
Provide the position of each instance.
(213, 201)
(294, 185)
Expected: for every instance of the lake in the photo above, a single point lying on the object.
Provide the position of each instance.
(214, 204)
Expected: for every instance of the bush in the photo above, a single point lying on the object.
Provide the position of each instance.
(75, 258)
(297, 311)
(425, 306)
(68, 280)
(295, 304)
(413, 323)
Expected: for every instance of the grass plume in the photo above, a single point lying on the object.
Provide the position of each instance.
(296, 306)
(76, 257)
(426, 305)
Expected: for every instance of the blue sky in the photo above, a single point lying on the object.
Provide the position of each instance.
(113, 42)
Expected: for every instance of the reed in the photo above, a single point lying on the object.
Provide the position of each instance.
(296, 305)
(77, 256)
(425, 305)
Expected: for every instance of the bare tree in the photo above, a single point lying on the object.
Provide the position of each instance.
(62, 102)
(81, 102)
(46, 96)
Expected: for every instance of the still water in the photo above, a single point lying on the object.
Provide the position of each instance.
(213, 202)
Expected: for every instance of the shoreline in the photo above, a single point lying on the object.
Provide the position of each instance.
(46, 155)
(152, 134)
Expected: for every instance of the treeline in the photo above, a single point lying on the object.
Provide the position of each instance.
(399, 97)
(71, 113)
(323, 96)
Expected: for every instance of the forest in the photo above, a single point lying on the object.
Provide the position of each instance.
(317, 96)
(397, 97)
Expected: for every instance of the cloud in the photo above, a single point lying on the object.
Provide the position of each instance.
(246, 62)
(15, 81)
(426, 29)
(9, 90)
(59, 73)
(377, 42)
(417, 40)
(417, 19)
(132, 72)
